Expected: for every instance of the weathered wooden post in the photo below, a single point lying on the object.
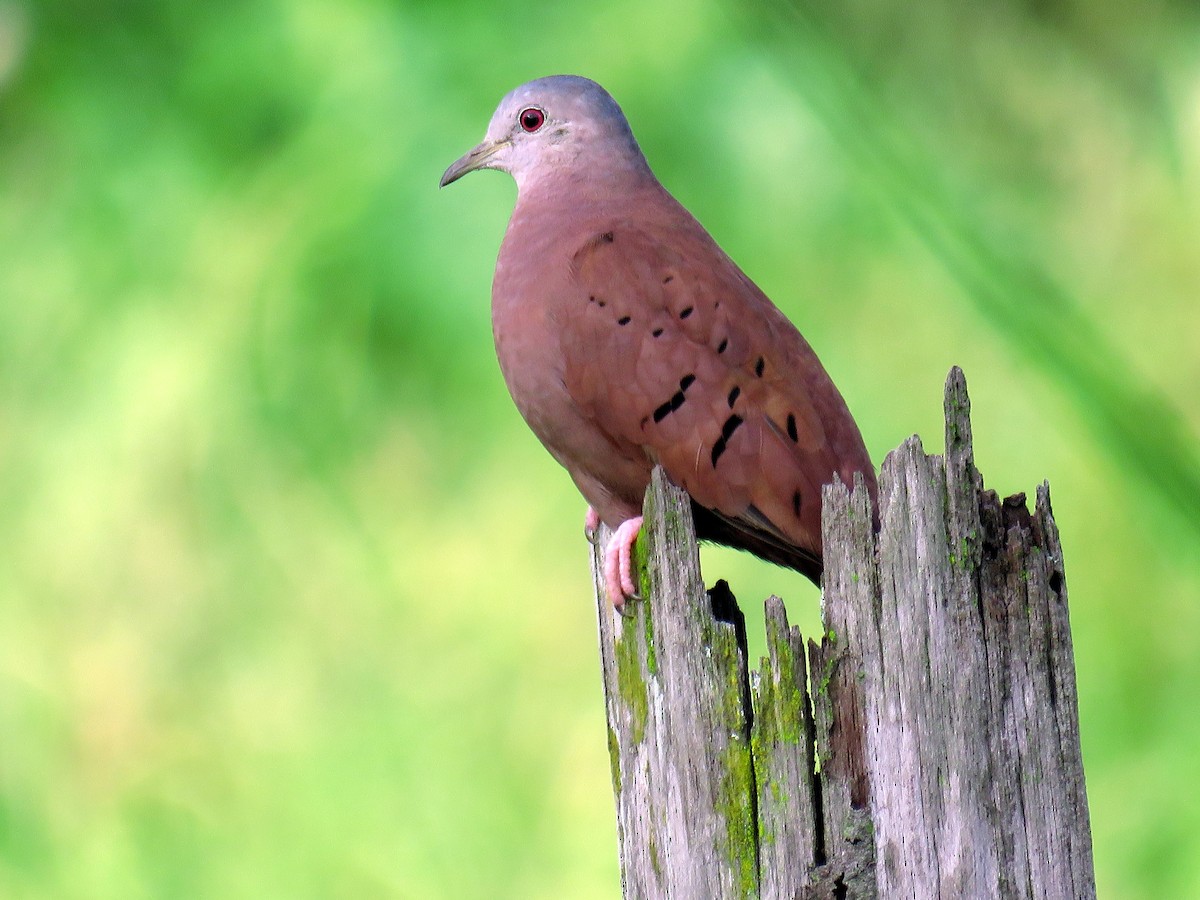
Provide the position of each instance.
(928, 747)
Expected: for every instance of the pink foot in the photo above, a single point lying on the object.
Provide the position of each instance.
(618, 567)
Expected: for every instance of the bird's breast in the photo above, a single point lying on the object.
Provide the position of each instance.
(533, 305)
(528, 306)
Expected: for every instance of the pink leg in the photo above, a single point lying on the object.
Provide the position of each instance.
(618, 566)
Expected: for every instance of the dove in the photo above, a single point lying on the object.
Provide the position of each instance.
(629, 339)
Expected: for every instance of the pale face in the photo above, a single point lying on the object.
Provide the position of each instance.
(548, 125)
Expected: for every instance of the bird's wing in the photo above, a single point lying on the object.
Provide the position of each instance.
(674, 350)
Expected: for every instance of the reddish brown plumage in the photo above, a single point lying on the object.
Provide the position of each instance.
(628, 338)
(651, 346)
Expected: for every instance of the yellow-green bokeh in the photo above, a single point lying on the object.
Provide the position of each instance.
(291, 602)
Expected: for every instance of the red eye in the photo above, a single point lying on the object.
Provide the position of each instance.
(531, 119)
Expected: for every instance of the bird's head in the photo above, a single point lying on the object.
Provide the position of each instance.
(551, 125)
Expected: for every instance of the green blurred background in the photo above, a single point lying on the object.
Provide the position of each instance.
(291, 602)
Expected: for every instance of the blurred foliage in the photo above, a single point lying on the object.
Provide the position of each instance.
(291, 603)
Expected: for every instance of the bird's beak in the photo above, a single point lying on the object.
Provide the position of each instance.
(476, 158)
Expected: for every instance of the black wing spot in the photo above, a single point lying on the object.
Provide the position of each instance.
(676, 400)
(733, 395)
(657, 332)
(791, 427)
(592, 298)
(669, 407)
(727, 430)
(721, 346)
(685, 312)
(796, 504)
(759, 366)
(668, 279)
(624, 320)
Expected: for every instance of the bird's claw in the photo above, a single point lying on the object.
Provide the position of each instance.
(591, 526)
(618, 563)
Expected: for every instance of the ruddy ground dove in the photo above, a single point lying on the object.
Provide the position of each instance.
(628, 338)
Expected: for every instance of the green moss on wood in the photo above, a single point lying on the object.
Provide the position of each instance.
(642, 577)
(631, 685)
(826, 675)
(961, 558)
(952, 428)
(857, 828)
(676, 525)
(783, 697)
(733, 709)
(735, 804)
(614, 761)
